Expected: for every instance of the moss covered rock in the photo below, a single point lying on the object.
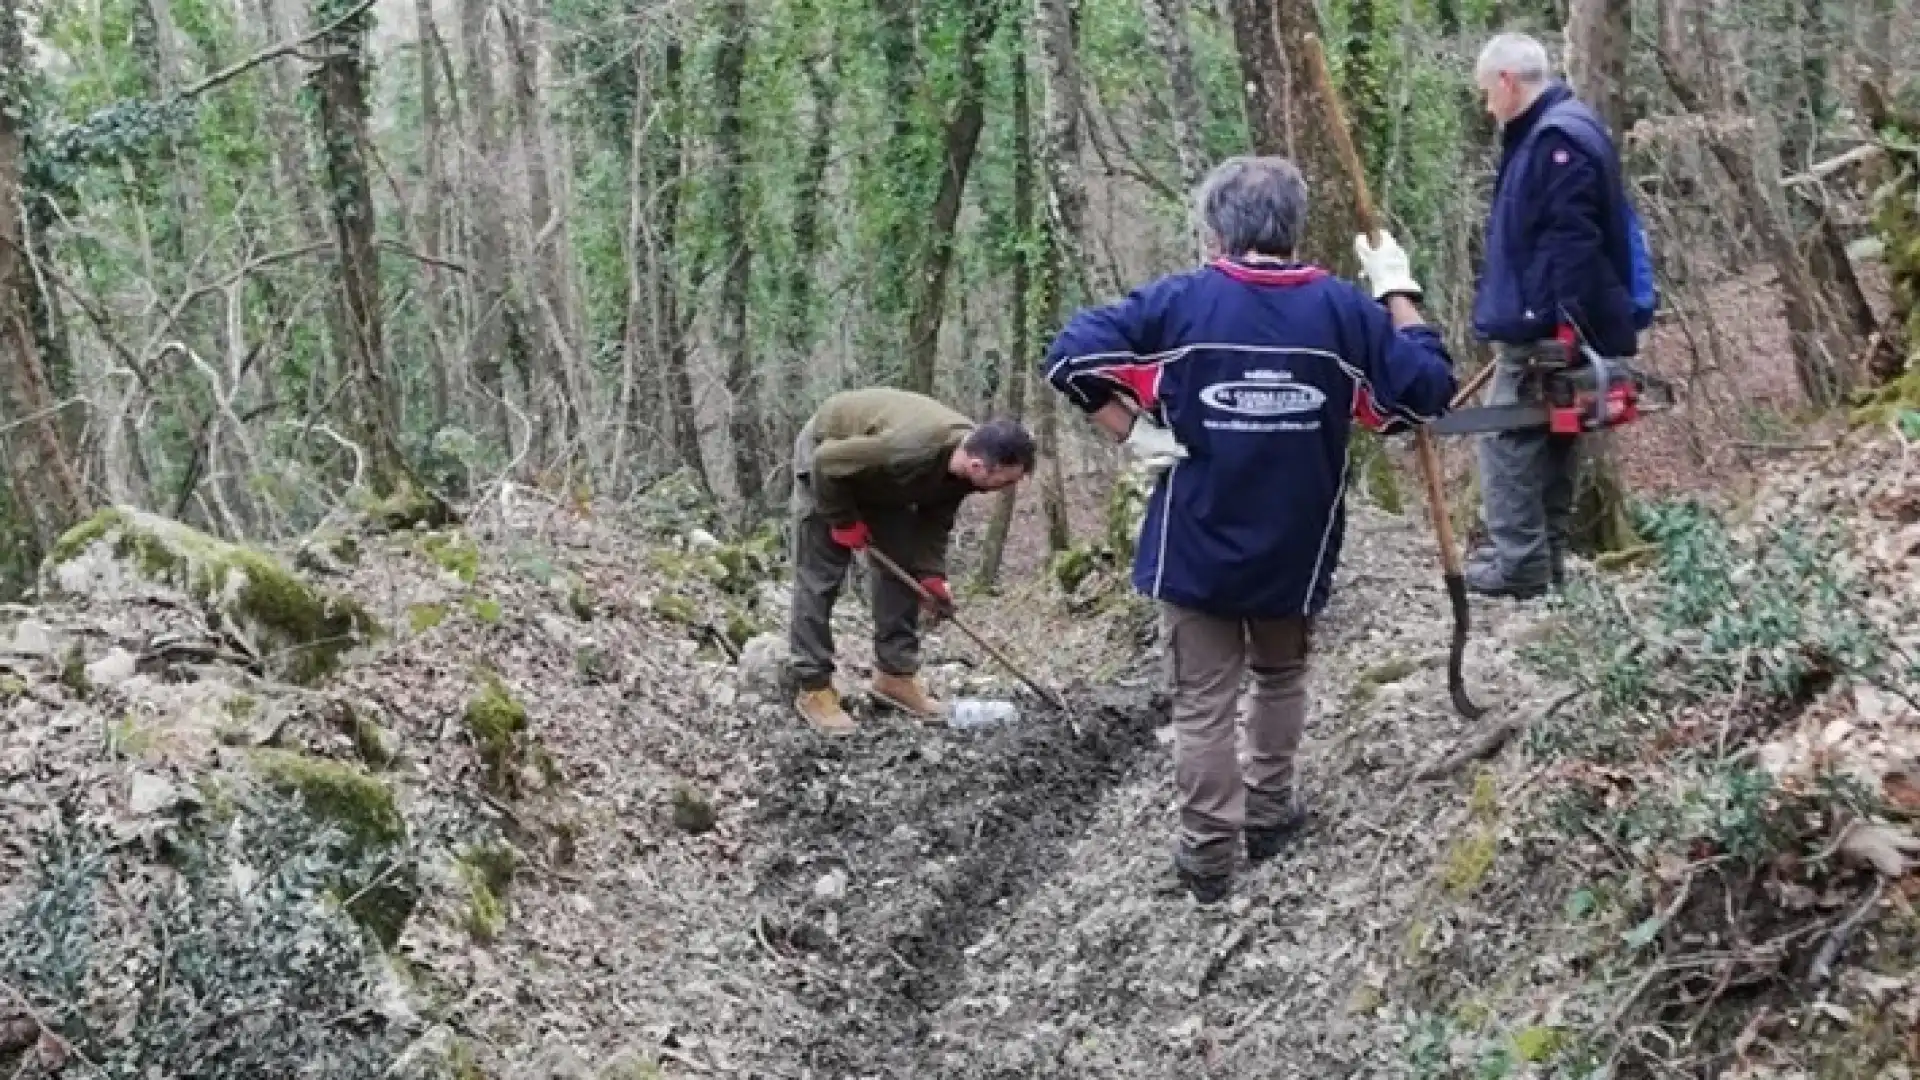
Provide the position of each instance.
(406, 507)
(454, 553)
(346, 795)
(496, 720)
(297, 629)
(361, 807)
(487, 871)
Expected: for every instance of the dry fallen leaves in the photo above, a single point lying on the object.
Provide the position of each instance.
(1886, 848)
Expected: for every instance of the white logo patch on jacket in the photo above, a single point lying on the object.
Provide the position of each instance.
(1262, 396)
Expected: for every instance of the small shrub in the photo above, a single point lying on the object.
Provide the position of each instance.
(212, 982)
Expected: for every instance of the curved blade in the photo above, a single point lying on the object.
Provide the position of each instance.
(1456, 679)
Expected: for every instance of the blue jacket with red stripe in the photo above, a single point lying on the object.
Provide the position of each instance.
(1259, 371)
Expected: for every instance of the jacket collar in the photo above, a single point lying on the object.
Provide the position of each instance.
(1517, 128)
(1266, 272)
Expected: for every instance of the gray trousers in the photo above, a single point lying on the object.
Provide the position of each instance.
(1207, 656)
(820, 570)
(1526, 481)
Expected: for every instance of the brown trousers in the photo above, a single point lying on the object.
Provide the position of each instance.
(1207, 656)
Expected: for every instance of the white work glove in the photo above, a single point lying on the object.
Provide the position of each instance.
(1153, 445)
(1387, 268)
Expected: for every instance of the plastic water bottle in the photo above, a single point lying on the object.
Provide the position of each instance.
(978, 713)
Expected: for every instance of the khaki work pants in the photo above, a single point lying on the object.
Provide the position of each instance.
(1207, 656)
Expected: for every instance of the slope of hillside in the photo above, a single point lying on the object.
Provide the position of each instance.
(558, 822)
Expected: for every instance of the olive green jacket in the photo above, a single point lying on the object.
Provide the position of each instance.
(881, 453)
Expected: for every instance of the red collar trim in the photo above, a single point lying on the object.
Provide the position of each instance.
(1282, 275)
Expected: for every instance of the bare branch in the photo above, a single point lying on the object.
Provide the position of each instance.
(393, 248)
(1862, 153)
(271, 52)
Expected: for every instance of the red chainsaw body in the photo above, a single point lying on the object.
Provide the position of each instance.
(1594, 396)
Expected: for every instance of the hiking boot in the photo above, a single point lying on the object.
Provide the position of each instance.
(821, 708)
(1486, 579)
(903, 692)
(1266, 841)
(1557, 566)
(1205, 888)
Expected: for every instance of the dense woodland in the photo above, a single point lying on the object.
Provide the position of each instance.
(260, 259)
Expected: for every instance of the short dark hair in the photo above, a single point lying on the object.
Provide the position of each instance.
(1000, 443)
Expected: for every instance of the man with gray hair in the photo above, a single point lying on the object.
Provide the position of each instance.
(1565, 266)
(1237, 383)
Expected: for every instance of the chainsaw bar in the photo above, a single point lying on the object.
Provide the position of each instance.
(1651, 394)
(1492, 418)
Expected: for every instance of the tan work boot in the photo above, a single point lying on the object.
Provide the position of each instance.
(904, 692)
(821, 708)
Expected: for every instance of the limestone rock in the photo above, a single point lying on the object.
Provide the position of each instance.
(298, 630)
(111, 670)
(832, 886)
(150, 795)
(31, 637)
(763, 664)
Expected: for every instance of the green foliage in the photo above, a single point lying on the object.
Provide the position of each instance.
(1772, 614)
(154, 991)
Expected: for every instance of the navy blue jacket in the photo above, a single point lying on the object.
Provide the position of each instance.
(1558, 247)
(1258, 371)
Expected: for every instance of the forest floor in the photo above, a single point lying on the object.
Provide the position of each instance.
(1683, 853)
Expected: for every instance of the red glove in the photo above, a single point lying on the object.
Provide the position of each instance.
(852, 537)
(936, 587)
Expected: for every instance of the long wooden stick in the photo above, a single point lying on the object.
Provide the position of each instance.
(1052, 697)
(1429, 458)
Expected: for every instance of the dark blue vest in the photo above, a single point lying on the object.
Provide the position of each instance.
(1516, 300)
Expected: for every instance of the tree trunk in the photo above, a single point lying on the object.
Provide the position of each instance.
(901, 160)
(1263, 75)
(669, 333)
(1284, 115)
(555, 381)
(729, 68)
(634, 351)
(1066, 187)
(42, 474)
(1365, 79)
(797, 325)
(1823, 382)
(282, 120)
(961, 138)
(342, 113)
(1598, 35)
(1058, 240)
(1167, 32)
(1020, 367)
(490, 313)
(433, 211)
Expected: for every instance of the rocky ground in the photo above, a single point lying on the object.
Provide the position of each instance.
(625, 856)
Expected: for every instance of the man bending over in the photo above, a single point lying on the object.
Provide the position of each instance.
(888, 468)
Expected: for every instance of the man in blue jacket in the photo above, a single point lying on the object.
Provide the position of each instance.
(1238, 382)
(1560, 264)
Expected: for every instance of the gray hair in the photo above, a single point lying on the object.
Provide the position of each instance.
(1254, 204)
(1518, 55)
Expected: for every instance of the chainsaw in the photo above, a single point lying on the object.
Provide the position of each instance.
(1567, 398)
